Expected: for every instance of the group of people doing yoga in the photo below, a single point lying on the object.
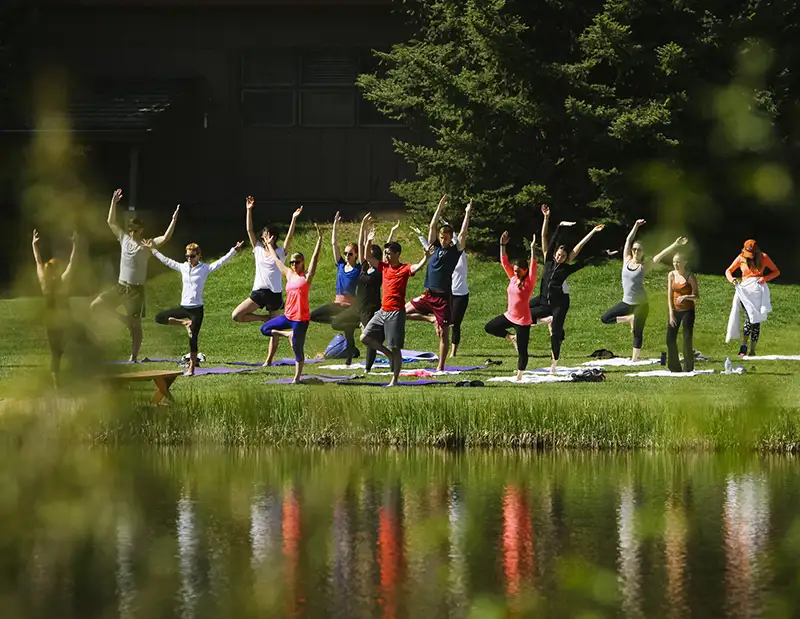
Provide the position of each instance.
(371, 287)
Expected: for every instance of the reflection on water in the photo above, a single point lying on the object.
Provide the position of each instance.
(423, 534)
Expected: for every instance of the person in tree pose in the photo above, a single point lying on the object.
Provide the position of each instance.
(682, 294)
(389, 323)
(194, 273)
(54, 282)
(368, 291)
(522, 280)
(129, 290)
(552, 304)
(293, 324)
(267, 285)
(347, 275)
(753, 264)
(445, 254)
(459, 300)
(634, 307)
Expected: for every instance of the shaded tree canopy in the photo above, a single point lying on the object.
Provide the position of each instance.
(606, 110)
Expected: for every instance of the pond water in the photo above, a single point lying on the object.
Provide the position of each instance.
(384, 533)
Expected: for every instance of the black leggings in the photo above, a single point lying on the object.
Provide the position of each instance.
(499, 325)
(348, 321)
(753, 331)
(639, 311)
(685, 317)
(458, 307)
(182, 313)
(558, 310)
(326, 314)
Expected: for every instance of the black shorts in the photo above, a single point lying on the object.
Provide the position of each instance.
(129, 296)
(267, 299)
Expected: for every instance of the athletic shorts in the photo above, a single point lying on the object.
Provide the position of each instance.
(129, 296)
(436, 303)
(389, 327)
(267, 299)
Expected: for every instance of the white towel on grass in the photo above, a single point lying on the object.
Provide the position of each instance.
(756, 300)
(531, 378)
(772, 358)
(671, 374)
(559, 370)
(619, 361)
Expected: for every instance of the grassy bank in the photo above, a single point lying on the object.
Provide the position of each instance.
(758, 410)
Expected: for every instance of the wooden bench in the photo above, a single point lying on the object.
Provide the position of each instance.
(162, 378)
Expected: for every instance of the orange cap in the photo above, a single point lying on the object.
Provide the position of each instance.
(748, 251)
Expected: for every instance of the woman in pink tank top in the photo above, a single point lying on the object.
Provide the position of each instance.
(522, 280)
(294, 322)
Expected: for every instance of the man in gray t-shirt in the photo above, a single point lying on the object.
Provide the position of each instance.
(129, 290)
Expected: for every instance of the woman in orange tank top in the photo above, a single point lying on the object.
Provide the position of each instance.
(752, 262)
(682, 293)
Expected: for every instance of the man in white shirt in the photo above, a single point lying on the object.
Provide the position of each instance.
(129, 290)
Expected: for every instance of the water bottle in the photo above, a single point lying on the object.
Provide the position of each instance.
(727, 365)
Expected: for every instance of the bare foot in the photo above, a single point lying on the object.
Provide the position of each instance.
(132, 358)
(267, 363)
(453, 350)
(519, 376)
(513, 340)
(187, 324)
(553, 367)
(392, 383)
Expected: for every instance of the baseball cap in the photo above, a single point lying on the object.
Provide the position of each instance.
(749, 248)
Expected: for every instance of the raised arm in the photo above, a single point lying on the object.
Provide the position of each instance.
(249, 203)
(112, 213)
(337, 254)
(160, 240)
(627, 253)
(435, 220)
(421, 263)
(312, 266)
(679, 242)
(532, 261)
(423, 241)
(504, 261)
(278, 262)
(231, 253)
(462, 236)
(577, 249)
(362, 240)
(774, 271)
(172, 264)
(545, 229)
(392, 231)
(66, 276)
(287, 242)
(37, 257)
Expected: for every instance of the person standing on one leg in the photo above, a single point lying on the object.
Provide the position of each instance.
(445, 254)
(753, 263)
(682, 294)
(552, 304)
(194, 273)
(267, 285)
(389, 323)
(294, 322)
(347, 275)
(368, 291)
(634, 308)
(459, 300)
(522, 280)
(54, 284)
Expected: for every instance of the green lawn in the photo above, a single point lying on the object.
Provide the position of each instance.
(23, 350)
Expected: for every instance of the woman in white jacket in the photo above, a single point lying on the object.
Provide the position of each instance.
(189, 314)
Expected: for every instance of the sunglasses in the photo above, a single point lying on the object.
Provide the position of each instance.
(191, 256)
(295, 261)
(349, 253)
(637, 249)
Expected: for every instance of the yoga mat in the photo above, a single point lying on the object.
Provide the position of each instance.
(671, 374)
(251, 364)
(401, 383)
(619, 361)
(379, 363)
(409, 356)
(290, 361)
(218, 370)
(529, 379)
(325, 378)
(144, 360)
(772, 358)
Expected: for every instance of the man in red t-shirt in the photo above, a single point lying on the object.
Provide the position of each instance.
(389, 322)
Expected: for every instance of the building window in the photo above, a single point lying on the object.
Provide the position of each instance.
(282, 87)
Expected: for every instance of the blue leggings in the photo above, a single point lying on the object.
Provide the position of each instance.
(299, 328)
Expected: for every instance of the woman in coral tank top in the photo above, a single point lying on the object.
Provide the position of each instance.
(294, 322)
(682, 293)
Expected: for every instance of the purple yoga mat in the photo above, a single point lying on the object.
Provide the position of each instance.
(250, 364)
(325, 378)
(218, 370)
(402, 383)
(463, 368)
(144, 360)
(290, 361)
